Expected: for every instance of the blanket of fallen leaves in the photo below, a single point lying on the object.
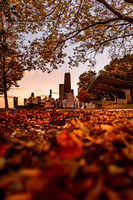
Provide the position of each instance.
(66, 155)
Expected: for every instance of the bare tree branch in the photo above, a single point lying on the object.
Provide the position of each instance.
(90, 26)
(53, 10)
(125, 18)
(129, 1)
(76, 13)
(45, 16)
(64, 9)
(114, 38)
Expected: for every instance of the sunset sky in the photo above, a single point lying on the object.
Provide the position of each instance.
(40, 83)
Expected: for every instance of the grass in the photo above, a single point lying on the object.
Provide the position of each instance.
(118, 106)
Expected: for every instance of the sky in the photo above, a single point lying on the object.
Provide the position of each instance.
(41, 82)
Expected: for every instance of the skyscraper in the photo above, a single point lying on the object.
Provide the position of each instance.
(61, 91)
(50, 96)
(66, 94)
(67, 83)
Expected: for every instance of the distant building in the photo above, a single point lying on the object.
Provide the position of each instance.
(66, 97)
(66, 94)
(33, 102)
(50, 96)
(61, 91)
(25, 102)
(67, 82)
(15, 102)
(32, 95)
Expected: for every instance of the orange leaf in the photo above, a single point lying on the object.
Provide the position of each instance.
(3, 149)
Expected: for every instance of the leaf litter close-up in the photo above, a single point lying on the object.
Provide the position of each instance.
(66, 154)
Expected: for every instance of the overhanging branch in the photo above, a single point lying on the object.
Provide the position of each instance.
(121, 16)
(90, 26)
(129, 1)
(114, 38)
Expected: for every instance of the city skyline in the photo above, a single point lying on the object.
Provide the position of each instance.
(40, 83)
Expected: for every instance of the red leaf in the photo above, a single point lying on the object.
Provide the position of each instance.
(3, 149)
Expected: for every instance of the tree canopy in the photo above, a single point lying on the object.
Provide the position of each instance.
(12, 71)
(90, 26)
(11, 68)
(121, 68)
(83, 96)
(86, 78)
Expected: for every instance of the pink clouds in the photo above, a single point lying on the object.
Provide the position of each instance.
(55, 92)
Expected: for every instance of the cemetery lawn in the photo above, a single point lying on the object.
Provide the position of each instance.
(66, 155)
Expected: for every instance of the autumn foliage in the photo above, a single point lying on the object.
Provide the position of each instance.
(66, 155)
(83, 96)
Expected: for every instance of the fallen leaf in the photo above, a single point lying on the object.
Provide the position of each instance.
(114, 169)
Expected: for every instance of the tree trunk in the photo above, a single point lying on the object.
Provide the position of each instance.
(4, 86)
(5, 94)
(3, 64)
